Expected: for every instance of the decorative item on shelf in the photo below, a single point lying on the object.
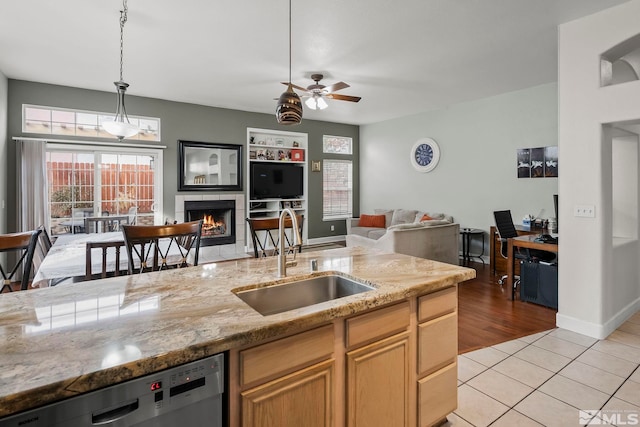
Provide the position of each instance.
(270, 155)
(252, 154)
(295, 144)
(289, 109)
(286, 205)
(315, 166)
(120, 126)
(282, 155)
(296, 204)
(251, 139)
(279, 142)
(297, 155)
(261, 155)
(425, 155)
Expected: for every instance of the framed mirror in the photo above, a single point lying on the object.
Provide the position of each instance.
(209, 166)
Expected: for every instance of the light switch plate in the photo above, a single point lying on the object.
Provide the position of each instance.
(586, 211)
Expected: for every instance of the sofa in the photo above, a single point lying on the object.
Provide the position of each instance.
(411, 232)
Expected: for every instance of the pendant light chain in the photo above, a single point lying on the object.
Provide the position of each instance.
(123, 20)
(289, 41)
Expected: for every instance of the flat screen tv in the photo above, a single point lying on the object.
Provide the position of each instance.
(276, 181)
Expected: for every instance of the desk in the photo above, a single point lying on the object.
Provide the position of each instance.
(67, 257)
(497, 262)
(527, 241)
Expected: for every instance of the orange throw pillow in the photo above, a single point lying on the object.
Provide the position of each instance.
(371, 221)
(425, 217)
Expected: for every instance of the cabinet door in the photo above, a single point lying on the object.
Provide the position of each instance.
(378, 383)
(437, 343)
(437, 395)
(303, 398)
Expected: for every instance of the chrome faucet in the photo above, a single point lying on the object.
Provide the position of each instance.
(297, 240)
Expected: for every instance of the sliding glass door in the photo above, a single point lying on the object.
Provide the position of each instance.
(91, 181)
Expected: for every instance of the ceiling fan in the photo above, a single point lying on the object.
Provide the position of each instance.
(317, 92)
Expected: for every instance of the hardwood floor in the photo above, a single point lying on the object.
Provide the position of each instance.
(487, 316)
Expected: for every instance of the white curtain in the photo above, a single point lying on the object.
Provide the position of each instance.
(32, 188)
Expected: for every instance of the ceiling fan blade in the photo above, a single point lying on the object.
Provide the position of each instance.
(335, 87)
(343, 97)
(303, 89)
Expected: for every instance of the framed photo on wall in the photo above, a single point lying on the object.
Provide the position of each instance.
(524, 163)
(551, 161)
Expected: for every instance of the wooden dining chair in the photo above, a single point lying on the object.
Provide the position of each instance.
(24, 246)
(159, 247)
(264, 235)
(105, 271)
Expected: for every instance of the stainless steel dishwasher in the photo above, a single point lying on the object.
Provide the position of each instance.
(189, 395)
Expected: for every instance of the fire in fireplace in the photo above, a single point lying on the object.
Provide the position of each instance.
(219, 220)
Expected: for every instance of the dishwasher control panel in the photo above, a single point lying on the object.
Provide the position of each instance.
(183, 396)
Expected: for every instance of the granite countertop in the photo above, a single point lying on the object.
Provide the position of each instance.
(58, 342)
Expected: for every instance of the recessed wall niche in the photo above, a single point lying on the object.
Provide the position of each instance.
(621, 63)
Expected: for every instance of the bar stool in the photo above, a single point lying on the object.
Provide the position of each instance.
(25, 245)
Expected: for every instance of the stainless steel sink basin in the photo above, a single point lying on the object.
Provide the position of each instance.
(302, 293)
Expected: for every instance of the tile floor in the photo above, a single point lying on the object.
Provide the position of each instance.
(547, 378)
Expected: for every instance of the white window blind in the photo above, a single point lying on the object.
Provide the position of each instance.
(337, 189)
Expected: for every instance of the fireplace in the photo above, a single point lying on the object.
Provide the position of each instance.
(219, 220)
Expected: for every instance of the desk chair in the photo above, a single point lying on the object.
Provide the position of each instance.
(24, 244)
(142, 243)
(507, 230)
(264, 234)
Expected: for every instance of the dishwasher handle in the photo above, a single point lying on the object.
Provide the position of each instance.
(113, 414)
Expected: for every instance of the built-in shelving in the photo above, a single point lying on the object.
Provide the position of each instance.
(271, 146)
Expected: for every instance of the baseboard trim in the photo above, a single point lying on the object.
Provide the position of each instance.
(326, 239)
(594, 330)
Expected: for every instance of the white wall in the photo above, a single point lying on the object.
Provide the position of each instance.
(4, 96)
(477, 170)
(597, 291)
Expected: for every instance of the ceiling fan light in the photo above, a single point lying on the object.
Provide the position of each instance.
(322, 104)
(311, 103)
(289, 109)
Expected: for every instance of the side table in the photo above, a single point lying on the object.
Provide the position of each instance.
(466, 234)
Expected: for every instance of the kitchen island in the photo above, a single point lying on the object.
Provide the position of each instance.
(60, 342)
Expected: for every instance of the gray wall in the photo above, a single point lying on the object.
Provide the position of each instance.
(179, 121)
(3, 151)
(477, 170)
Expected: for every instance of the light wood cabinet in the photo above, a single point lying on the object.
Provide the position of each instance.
(437, 356)
(437, 395)
(378, 383)
(392, 366)
(303, 398)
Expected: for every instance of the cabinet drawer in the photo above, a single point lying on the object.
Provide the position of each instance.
(377, 324)
(285, 355)
(438, 395)
(437, 343)
(437, 304)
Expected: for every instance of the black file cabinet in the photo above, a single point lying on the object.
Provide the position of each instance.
(539, 283)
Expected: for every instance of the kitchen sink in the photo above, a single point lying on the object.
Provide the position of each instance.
(301, 293)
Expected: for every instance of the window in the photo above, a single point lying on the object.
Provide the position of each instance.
(63, 121)
(337, 189)
(337, 145)
(91, 181)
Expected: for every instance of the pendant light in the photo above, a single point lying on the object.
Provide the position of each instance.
(120, 125)
(289, 110)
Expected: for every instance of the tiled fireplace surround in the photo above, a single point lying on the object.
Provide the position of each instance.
(218, 252)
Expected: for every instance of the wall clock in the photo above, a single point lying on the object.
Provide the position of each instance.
(425, 155)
